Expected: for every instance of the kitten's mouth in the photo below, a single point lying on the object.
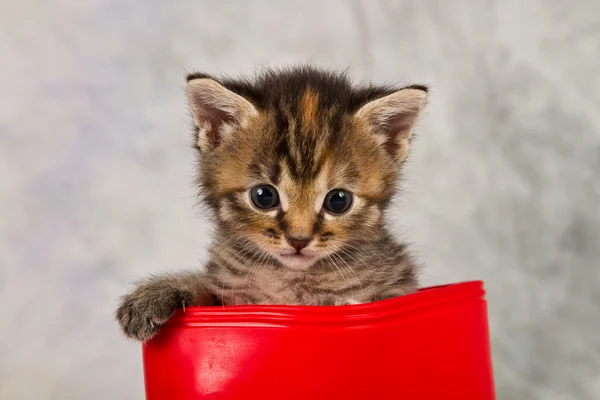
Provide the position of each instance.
(297, 256)
(297, 259)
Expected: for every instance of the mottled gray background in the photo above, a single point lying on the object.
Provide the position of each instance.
(95, 167)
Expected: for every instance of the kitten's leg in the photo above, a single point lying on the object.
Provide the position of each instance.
(147, 307)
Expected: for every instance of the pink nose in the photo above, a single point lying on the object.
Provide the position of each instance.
(298, 243)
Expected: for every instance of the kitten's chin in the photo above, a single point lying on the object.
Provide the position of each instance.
(298, 262)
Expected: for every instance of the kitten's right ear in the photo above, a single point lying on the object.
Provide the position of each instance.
(216, 110)
(392, 119)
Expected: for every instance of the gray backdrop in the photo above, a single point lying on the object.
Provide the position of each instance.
(95, 168)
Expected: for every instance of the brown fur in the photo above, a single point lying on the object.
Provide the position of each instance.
(305, 132)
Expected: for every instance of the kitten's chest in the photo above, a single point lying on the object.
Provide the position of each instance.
(301, 288)
(271, 285)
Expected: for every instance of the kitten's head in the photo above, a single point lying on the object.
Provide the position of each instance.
(300, 163)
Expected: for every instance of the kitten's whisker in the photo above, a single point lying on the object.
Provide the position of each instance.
(347, 267)
(256, 266)
(261, 265)
(344, 277)
(336, 270)
(253, 259)
(367, 255)
(224, 254)
(368, 267)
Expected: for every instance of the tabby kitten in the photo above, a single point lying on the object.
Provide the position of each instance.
(298, 167)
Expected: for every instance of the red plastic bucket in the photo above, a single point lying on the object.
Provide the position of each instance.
(433, 344)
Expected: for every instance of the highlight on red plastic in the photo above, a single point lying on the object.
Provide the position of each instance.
(433, 344)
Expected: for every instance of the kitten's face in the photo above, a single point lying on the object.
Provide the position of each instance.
(298, 197)
(301, 178)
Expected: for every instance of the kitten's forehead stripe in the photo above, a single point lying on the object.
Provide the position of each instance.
(275, 172)
(310, 104)
(255, 169)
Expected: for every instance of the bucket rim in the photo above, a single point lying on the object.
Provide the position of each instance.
(434, 297)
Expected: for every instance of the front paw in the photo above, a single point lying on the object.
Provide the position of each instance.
(143, 311)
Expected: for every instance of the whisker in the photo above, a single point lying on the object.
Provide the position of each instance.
(348, 268)
(256, 266)
(224, 255)
(337, 270)
(366, 270)
(344, 277)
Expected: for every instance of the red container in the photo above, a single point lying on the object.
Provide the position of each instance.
(433, 344)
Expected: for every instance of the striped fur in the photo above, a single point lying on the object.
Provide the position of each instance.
(305, 132)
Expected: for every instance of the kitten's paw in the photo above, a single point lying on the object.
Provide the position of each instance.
(143, 311)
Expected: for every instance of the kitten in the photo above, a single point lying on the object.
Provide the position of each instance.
(298, 167)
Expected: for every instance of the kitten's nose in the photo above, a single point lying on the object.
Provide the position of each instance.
(298, 243)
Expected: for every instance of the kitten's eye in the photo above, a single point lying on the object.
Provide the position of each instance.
(338, 201)
(264, 196)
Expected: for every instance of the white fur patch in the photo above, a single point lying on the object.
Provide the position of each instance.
(283, 199)
(353, 302)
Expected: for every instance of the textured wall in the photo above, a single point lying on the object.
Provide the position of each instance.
(95, 168)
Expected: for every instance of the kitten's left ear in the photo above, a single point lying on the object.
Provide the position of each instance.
(392, 119)
(217, 111)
